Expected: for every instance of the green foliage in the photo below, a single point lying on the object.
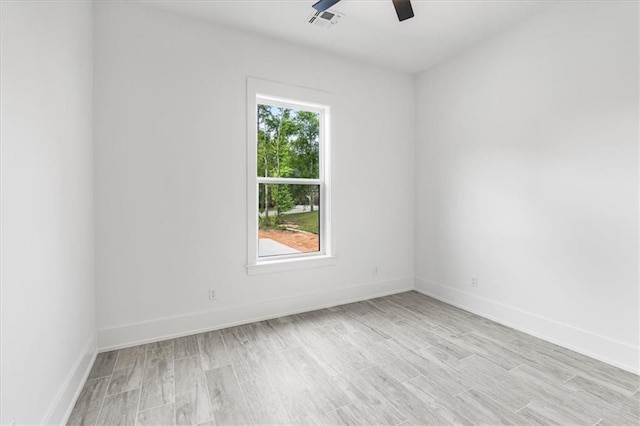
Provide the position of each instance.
(305, 145)
(268, 222)
(282, 198)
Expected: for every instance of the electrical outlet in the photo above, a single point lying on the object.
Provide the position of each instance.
(212, 294)
(474, 281)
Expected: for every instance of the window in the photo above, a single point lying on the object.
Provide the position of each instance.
(289, 222)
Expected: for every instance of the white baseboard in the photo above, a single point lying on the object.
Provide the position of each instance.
(596, 346)
(60, 410)
(167, 328)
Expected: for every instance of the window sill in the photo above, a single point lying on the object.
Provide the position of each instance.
(282, 265)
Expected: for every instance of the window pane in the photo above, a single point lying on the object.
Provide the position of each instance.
(288, 142)
(289, 219)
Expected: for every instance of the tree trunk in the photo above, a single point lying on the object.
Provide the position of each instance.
(277, 140)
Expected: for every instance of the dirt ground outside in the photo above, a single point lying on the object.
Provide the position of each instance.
(303, 241)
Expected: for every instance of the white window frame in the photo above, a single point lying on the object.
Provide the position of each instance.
(277, 94)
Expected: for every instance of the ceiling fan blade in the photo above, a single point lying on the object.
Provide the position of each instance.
(403, 9)
(323, 5)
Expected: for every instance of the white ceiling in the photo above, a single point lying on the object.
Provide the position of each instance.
(370, 29)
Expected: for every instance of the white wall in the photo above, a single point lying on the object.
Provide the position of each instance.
(170, 110)
(48, 309)
(527, 177)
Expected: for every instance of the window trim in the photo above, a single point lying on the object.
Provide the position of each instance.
(278, 94)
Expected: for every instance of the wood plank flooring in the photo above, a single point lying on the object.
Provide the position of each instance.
(397, 360)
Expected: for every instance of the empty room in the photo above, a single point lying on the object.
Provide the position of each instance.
(355, 212)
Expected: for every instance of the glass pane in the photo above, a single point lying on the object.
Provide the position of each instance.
(288, 142)
(289, 219)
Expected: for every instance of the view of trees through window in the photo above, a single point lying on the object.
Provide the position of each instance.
(288, 148)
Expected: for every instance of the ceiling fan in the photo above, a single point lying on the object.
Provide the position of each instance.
(403, 7)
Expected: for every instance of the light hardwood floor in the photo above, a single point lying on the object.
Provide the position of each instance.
(402, 359)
